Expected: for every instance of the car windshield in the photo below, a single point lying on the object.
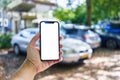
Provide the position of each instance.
(71, 31)
(28, 33)
(115, 26)
(76, 31)
(32, 32)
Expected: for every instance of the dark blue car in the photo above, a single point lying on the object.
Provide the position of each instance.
(110, 35)
(113, 28)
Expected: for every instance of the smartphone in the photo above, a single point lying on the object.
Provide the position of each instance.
(49, 40)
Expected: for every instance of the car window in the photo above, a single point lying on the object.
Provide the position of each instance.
(81, 32)
(115, 25)
(24, 34)
(33, 33)
(28, 33)
(71, 31)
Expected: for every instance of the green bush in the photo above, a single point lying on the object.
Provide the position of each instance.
(5, 40)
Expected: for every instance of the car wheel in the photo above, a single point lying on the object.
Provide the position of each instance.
(111, 44)
(16, 49)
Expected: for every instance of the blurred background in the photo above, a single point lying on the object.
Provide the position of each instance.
(91, 31)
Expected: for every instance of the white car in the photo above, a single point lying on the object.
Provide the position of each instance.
(20, 41)
(73, 49)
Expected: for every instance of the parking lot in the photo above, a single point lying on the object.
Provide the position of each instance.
(104, 65)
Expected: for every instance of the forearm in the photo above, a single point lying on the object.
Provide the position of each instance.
(26, 72)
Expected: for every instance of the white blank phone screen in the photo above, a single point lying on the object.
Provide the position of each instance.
(49, 41)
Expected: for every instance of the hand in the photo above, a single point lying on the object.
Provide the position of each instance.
(32, 65)
(34, 57)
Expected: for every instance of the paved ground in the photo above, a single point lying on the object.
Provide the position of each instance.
(104, 65)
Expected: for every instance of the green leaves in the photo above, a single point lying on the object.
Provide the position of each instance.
(64, 14)
(77, 16)
(101, 9)
(80, 15)
(5, 41)
(4, 3)
(105, 9)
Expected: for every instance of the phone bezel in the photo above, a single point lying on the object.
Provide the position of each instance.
(58, 40)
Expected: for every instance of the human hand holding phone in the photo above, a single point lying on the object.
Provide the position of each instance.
(33, 64)
(33, 55)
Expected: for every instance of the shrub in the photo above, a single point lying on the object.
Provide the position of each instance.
(5, 40)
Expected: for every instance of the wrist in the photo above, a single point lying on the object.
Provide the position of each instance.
(31, 66)
(26, 72)
(36, 66)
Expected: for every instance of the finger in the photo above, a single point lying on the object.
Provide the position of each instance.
(34, 39)
(60, 57)
(60, 37)
(61, 45)
(38, 48)
(61, 53)
(59, 60)
(54, 62)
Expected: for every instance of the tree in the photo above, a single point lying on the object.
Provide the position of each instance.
(80, 15)
(105, 9)
(90, 12)
(76, 15)
(4, 3)
(64, 14)
(88, 2)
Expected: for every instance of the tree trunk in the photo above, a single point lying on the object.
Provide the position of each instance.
(88, 2)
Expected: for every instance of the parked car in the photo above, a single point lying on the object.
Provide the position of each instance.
(110, 35)
(110, 40)
(113, 27)
(74, 50)
(20, 41)
(82, 33)
(110, 27)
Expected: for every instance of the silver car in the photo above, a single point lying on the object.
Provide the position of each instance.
(21, 40)
(73, 49)
(83, 33)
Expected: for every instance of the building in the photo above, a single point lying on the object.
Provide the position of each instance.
(23, 12)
